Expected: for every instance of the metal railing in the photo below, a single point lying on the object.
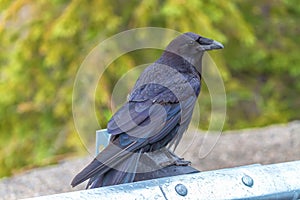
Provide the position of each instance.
(276, 181)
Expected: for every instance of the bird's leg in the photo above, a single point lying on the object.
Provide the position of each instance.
(176, 160)
(174, 155)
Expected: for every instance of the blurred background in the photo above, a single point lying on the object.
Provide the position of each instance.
(43, 43)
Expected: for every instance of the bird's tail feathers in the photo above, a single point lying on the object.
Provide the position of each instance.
(124, 172)
(109, 158)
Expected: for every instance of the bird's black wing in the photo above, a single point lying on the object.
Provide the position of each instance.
(155, 132)
(142, 124)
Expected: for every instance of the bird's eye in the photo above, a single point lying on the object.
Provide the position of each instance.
(191, 42)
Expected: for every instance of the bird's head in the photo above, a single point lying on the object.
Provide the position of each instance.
(192, 46)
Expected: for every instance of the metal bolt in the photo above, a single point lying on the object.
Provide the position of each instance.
(247, 180)
(181, 189)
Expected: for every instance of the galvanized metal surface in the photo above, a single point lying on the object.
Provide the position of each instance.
(277, 181)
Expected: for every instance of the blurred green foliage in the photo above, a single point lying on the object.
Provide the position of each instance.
(43, 43)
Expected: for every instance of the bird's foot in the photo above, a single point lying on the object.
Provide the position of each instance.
(182, 162)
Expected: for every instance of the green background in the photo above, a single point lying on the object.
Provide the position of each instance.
(43, 43)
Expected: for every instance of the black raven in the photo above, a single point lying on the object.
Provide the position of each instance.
(156, 115)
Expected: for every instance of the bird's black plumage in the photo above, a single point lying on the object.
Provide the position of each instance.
(157, 113)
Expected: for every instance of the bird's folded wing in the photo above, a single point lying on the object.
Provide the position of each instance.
(125, 144)
(136, 126)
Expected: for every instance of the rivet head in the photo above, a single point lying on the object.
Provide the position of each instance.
(247, 180)
(181, 189)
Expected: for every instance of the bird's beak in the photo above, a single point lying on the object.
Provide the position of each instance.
(216, 45)
(213, 45)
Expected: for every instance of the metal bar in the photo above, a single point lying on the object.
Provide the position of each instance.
(102, 140)
(276, 181)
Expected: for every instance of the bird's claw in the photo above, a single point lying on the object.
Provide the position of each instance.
(182, 162)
